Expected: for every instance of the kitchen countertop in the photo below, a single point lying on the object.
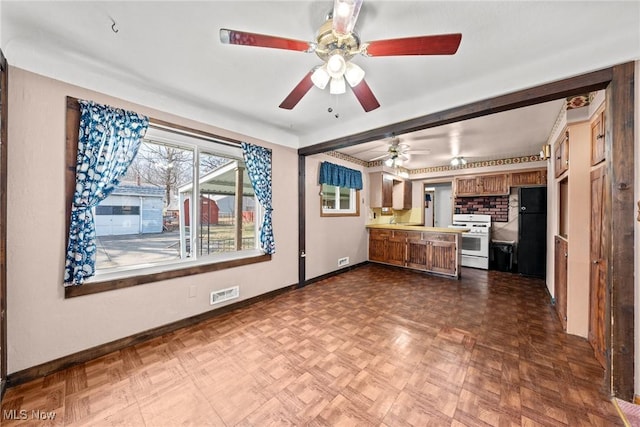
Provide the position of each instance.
(417, 227)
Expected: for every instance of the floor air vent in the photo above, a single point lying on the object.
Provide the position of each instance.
(224, 295)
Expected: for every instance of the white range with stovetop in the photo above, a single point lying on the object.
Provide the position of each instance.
(475, 242)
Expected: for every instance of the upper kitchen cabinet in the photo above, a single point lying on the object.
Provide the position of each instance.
(533, 177)
(380, 190)
(401, 194)
(387, 191)
(561, 154)
(482, 185)
(466, 186)
(597, 137)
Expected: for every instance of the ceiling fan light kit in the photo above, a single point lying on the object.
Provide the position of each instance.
(458, 161)
(336, 44)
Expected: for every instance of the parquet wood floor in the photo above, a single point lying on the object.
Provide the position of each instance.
(376, 346)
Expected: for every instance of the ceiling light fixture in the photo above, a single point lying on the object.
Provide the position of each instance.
(334, 72)
(458, 161)
(393, 162)
(545, 153)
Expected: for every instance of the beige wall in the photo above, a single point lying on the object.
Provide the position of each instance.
(578, 225)
(331, 238)
(42, 325)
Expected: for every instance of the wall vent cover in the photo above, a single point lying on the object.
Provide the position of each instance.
(224, 295)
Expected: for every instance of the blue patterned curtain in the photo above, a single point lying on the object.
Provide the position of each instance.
(258, 161)
(108, 140)
(332, 174)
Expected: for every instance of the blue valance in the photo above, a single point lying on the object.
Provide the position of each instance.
(332, 174)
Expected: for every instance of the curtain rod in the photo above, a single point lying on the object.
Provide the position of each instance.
(205, 136)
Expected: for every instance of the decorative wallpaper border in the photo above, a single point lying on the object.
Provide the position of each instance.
(347, 158)
(470, 165)
(480, 164)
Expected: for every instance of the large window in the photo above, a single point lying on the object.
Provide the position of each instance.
(185, 206)
(183, 199)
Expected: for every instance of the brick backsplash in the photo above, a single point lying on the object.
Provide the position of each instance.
(496, 206)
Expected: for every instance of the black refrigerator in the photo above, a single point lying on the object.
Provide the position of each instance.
(532, 231)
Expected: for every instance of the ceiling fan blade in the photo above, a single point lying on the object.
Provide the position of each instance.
(380, 157)
(262, 40)
(298, 92)
(365, 96)
(443, 44)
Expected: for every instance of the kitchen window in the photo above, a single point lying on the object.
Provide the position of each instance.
(339, 201)
(339, 190)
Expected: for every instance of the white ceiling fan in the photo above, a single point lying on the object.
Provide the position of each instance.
(398, 153)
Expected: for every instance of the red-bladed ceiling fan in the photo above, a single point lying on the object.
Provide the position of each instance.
(336, 43)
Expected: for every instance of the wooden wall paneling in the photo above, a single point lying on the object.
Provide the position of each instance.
(560, 282)
(619, 233)
(598, 267)
(4, 80)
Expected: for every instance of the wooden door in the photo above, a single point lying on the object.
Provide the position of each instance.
(396, 248)
(493, 184)
(378, 245)
(416, 251)
(387, 192)
(441, 256)
(597, 275)
(466, 186)
(536, 177)
(597, 139)
(561, 155)
(560, 283)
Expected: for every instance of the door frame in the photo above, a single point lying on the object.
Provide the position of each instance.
(4, 79)
(618, 81)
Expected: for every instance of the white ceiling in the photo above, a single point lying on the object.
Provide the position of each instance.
(167, 55)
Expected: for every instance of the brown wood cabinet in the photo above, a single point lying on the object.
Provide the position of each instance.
(533, 177)
(493, 185)
(561, 255)
(482, 185)
(561, 154)
(442, 254)
(597, 138)
(397, 248)
(421, 250)
(466, 186)
(378, 244)
(401, 194)
(380, 190)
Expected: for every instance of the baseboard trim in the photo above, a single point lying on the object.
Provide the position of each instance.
(334, 273)
(47, 368)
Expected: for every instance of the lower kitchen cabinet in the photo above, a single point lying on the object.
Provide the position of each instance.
(378, 245)
(442, 254)
(432, 252)
(396, 248)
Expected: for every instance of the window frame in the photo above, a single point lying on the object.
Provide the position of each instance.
(124, 278)
(354, 202)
